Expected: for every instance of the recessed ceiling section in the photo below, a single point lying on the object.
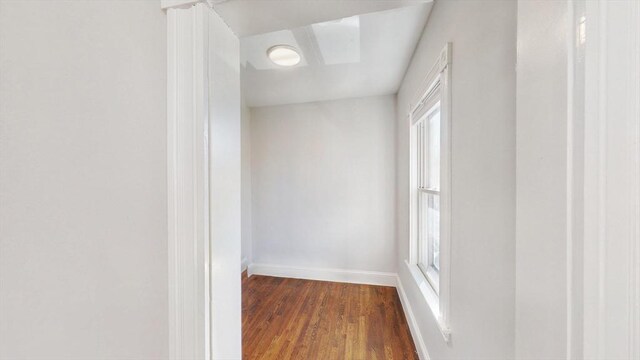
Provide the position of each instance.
(355, 56)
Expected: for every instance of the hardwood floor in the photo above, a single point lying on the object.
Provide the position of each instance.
(301, 319)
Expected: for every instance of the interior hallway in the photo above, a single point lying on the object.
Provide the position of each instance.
(480, 156)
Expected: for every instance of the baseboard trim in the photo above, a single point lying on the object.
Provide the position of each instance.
(244, 264)
(336, 275)
(413, 324)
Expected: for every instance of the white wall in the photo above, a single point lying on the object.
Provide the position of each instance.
(225, 196)
(323, 184)
(541, 257)
(246, 184)
(483, 34)
(83, 234)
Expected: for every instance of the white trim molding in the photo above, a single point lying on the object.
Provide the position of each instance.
(336, 275)
(244, 264)
(176, 4)
(612, 181)
(203, 175)
(430, 297)
(437, 81)
(184, 4)
(413, 323)
(187, 165)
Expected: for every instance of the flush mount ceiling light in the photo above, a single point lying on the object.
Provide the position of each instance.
(284, 55)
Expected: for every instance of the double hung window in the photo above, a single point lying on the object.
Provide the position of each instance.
(430, 189)
(428, 192)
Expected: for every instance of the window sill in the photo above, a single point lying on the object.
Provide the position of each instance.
(431, 297)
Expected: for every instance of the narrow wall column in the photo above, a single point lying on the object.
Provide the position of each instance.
(578, 180)
(612, 181)
(203, 158)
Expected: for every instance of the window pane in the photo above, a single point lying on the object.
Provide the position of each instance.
(423, 241)
(420, 156)
(428, 202)
(434, 150)
(429, 232)
(433, 229)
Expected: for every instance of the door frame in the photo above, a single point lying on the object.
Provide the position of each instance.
(203, 182)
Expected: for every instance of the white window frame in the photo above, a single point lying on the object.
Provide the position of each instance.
(435, 88)
(423, 132)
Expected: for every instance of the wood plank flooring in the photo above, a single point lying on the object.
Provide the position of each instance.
(301, 319)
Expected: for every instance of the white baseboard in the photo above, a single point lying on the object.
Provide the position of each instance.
(413, 324)
(336, 275)
(244, 265)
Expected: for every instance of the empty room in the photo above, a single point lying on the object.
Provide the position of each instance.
(319, 179)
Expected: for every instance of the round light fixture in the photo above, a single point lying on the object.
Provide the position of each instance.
(284, 55)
